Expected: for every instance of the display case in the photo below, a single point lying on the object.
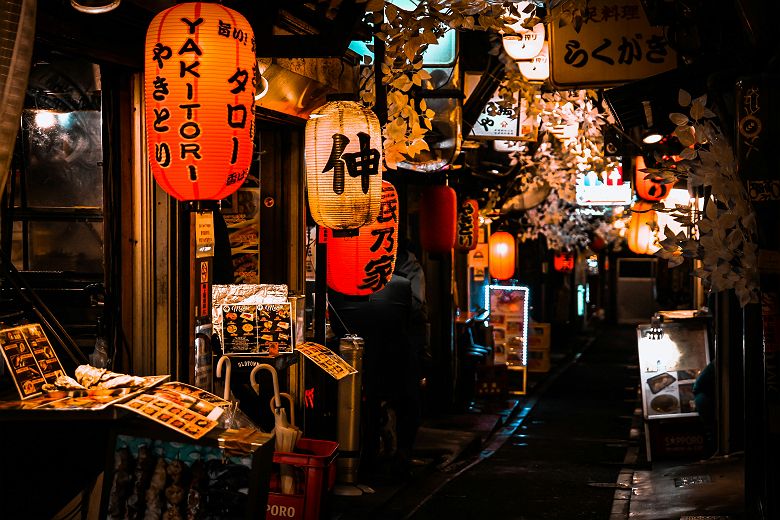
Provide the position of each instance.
(671, 357)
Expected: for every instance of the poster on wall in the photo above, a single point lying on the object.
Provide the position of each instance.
(508, 308)
(670, 360)
(242, 216)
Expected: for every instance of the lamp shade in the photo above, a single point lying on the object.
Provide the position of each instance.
(563, 261)
(363, 264)
(199, 88)
(438, 209)
(468, 226)
(647, 189)
(538, 67)
(642, 234)
(343, 159)
(502, 255)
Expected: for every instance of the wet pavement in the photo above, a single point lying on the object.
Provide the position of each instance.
(572, 448)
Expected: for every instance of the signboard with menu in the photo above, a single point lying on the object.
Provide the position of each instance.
(257, 329)
(30, 358)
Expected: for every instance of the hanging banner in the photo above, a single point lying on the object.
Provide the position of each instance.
(615, 44)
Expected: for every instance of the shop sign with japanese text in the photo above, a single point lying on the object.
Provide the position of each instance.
(615, 44)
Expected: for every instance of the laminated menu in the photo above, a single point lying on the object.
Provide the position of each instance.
(264, 328)
(30, 358)
(181, 407)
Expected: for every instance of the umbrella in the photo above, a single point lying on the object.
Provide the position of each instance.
(225, 360)
(287, 434)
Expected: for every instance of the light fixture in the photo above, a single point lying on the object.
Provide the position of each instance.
(522, 43)
(95, 6)
(650, 135)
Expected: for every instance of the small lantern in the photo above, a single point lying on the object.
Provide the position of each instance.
(524, 44)
(502, 255)
(363, 264)
(646, 188)
(642, 232)
(468, 226)
(538, 67)
(200, 100)
(438, 213)
(563, 261)
(343, 160)
(597, 243)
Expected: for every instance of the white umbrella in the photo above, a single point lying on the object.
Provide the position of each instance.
(225, 360)
(287, 434)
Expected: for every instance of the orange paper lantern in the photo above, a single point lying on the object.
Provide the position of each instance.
(468, 226)
(438, 215)
(363, 264)
(642, 232)
(199, 70)
(502, 255)
(563, 262)
(646, 188)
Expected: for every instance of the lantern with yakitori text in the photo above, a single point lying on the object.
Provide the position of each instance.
(563, 261)
(343, 161)
(647, 188)
(642, 232)
(363, 264)
(468, 226)
(501, 262)
(199, 83)
(438, 216)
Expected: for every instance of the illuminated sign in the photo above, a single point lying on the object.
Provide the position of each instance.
(508, 308)
(604, 189)
(615, 44)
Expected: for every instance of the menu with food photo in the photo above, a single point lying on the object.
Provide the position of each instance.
(30, 358)
(274, 322)
(239, 328)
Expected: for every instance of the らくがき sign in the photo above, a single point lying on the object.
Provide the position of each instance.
(199, 84)
(615, 44)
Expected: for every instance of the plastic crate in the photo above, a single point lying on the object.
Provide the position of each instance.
(316, 477)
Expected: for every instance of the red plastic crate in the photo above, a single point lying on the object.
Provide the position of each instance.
(317, 475)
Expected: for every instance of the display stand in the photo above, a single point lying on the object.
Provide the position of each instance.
(671, 357)
(508, 308)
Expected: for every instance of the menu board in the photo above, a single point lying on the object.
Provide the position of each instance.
(670, 362)
(257, 329)
(30, 358)
(508, 307)
(326, 359)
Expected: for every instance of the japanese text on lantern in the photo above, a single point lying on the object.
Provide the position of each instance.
(466, 228)
(362, 163)
(200, 100)
(379, 268)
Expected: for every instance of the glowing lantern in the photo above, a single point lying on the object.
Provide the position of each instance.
(343, 158)
(524, 44)
(200, 100)
(363, 264)
(438, 209)
(642, 232)
(468, 226)
(538, 68)
(502, 255)
(597, 243)
(647, 189)
(563, 262)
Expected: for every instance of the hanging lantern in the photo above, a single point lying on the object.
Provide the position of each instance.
(538, 67)
(597, 243)
(200, 100)
(524, 44)
(647, 189)
(502, 255)
(438, 209)
(468, 226)
(363, 264)
(642, 232)
(343, 158)
(563, 261)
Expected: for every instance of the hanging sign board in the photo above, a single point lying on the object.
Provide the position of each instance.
(204, 234)
(604, 189)
(615, 45)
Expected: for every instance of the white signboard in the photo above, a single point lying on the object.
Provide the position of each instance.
(605, 189)
(615, 44)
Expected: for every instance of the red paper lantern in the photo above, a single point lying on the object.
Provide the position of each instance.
(363, 264)
(502, 255)
(200, 100)
(646, 188)
(438, 213)
(597, 243)
(563, 262)
(468, 226)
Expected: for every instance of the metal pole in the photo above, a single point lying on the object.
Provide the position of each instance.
(348, 434)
